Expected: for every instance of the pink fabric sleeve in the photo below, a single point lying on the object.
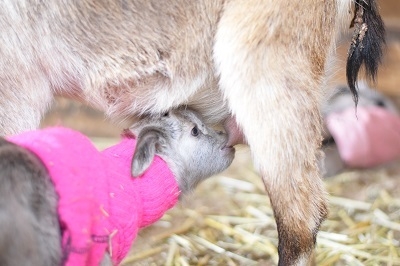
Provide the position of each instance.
(99, 201)
(73, 163)
(142, 200)
(368, 138)
(157, 187)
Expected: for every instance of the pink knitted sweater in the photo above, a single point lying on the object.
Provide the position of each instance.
(101, 207)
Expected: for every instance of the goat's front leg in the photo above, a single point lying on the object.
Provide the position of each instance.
(271, 67)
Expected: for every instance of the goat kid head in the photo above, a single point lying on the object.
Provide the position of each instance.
(192, 150)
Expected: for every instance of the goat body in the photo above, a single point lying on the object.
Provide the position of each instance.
(262, 61)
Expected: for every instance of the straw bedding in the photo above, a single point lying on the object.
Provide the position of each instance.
(228, 221)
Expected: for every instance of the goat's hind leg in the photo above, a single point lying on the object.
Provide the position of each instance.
(283, 134)
(271, 75)
(282, 130)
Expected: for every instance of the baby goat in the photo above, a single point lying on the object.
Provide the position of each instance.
(63, 202)
(192, 150)
(261, 61)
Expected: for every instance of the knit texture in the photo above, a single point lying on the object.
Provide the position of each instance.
(101, 207)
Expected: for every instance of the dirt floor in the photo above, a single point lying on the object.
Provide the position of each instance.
(209, 227)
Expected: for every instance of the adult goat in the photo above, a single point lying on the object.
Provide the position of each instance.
(258, 63)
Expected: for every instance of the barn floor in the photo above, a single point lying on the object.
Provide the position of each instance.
(228, 219)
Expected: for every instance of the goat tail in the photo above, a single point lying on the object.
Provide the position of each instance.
(367, 43)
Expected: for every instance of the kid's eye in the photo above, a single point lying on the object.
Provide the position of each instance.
(195, 131)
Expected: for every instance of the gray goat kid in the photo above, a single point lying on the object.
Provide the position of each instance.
(29, 227)
(191, 149)
(260, 64)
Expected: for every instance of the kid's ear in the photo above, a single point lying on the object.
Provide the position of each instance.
(147, 142)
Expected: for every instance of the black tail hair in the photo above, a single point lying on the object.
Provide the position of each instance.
(366, 44)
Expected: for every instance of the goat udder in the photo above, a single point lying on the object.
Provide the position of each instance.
(235, 134)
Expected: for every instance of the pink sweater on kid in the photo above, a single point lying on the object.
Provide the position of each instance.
(101, 206)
